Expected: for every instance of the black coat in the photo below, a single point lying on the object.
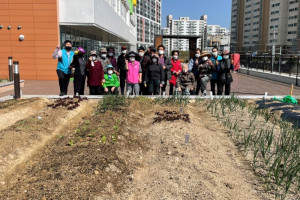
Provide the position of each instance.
(224, 71)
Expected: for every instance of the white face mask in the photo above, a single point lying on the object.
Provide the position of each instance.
(132, 59)
(124, 51)
(110, 54)
(110, 72)
(205, 58)
(161, 52)
(197, 55)
(94, 58)
(215, 54)
(175, 57)
(141, 54)
(226, 57)
(154, 60)
(103, 55)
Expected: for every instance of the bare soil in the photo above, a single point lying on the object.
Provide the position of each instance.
(122, 155)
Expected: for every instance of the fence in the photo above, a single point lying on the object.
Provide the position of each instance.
(284, 64)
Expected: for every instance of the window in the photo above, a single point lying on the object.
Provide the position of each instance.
(275, 5)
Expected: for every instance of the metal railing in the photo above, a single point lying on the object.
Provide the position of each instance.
(286, 64)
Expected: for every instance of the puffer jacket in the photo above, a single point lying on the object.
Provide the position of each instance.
(224, 68)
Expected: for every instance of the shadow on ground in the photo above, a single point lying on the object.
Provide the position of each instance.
(289, 112)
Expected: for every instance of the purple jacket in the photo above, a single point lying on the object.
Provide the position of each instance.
(113, 62)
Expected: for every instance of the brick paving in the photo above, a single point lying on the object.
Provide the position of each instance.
(242, 85)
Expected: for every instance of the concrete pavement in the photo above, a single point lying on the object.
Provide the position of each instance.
(242, 85)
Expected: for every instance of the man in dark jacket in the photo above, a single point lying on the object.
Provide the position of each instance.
(225, 77)
(145, 62)
(167, 64)
(121, 65)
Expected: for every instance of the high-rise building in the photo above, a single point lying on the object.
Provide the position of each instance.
(185, 26)
(47, 24)
(148, 21)
(257, 25)
(218, 36)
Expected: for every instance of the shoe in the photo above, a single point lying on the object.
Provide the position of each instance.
(203, 95)
(62, 94)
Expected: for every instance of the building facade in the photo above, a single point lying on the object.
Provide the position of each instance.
(257, 25)
(218, 36)
(148, 21)
(185, 26)
(45, 24)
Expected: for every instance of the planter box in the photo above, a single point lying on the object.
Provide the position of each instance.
(10, 86)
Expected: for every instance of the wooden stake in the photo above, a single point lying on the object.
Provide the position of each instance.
(292, 89)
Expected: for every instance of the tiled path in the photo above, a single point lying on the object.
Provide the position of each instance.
(242, 85)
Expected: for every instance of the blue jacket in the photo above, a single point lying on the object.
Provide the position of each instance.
(64, 62)
(215, 73)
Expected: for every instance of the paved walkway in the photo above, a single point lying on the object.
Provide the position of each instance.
(242, 85)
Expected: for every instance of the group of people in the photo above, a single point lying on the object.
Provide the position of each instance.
(145, 72)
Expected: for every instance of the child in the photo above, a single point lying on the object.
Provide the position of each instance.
(186, 81)
(112, 83)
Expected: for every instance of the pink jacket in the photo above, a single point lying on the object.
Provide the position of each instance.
(133, 73)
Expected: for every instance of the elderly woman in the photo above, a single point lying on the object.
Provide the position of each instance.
(185, 82)
(154, 77)
(205, 70)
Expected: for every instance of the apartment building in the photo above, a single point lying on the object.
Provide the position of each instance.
(185, 26)
(257, 25)
(148, 21)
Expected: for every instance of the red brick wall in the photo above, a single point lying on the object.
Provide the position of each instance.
(39, 21)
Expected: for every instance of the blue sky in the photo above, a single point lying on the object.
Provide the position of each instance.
(218, 11)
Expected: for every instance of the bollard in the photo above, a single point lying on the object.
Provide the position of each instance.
(17, 80)
(10, 69)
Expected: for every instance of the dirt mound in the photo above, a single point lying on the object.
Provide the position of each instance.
(16, 110)
(123, 155)
(24, 137)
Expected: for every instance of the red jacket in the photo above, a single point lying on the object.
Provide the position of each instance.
(95, 73)
(176, 67)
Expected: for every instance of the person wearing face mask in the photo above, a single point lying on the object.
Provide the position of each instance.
(65, 58)
(215, 59)
(225, 77)
(79, 64)
(111, 81)
(134, 74)
(95, 74)
(186, 82)
(121, 66)
(112, 59)
(154, 78)
(204, 71)
(145, 62)
(175, 70)
(167, 64)
(103, 58)
(193, 67)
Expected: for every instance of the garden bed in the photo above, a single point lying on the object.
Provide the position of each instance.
(141, 148)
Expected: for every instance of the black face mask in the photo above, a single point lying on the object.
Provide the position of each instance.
(68, 48)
